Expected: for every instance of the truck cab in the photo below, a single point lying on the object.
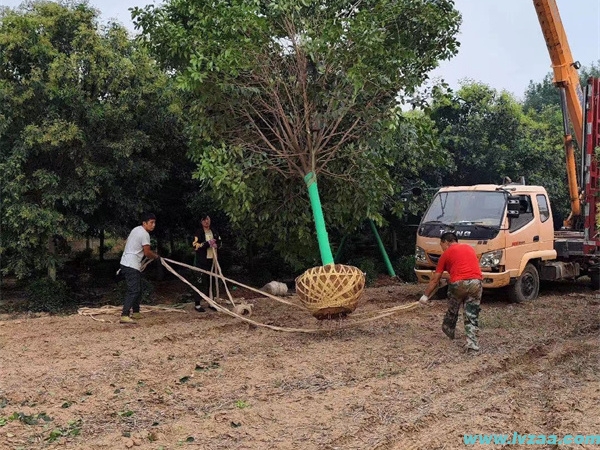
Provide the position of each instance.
(511, 229)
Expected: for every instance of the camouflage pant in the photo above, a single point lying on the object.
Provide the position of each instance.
(468, 294)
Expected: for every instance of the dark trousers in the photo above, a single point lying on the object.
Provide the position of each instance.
(205, 264)
(133, 278)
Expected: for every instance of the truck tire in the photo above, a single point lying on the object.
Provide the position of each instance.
(527, 286)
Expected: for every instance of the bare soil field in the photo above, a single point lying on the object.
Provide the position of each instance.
(209, 381)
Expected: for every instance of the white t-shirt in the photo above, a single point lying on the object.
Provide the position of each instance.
(134, 248)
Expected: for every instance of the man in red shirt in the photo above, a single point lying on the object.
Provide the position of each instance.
(465, 288)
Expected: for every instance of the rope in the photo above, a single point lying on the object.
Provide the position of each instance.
(217, 274)
(110, 309)
(221, 277)
(382, 314)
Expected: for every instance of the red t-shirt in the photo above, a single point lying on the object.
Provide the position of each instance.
(461, 263)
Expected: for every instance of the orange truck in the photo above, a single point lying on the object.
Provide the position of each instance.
(511, 226)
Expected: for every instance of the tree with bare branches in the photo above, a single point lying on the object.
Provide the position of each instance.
(284, 91)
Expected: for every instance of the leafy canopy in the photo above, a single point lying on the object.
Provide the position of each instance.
(489, 136)
(283, 88)
(87, 119)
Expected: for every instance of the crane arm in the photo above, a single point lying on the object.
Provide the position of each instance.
(563, 65)
(566, 79)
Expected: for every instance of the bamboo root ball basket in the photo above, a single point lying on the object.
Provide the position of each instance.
(330, 291)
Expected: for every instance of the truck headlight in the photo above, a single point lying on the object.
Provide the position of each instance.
(420, 255)
(491, 259)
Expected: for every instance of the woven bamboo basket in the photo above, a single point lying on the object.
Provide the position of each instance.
(330, 291)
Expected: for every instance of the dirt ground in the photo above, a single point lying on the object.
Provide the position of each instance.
(209, 381)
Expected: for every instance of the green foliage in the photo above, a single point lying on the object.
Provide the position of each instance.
(46, 295)
(73, 428)
(480, 128)
(419, 160)
(32, 419)
(281, 89)
(405, 268)
(368, 266)
(540, 95)
(90, 130)
(489, 137)
(543, 94)
(542, 104)
(241, 404)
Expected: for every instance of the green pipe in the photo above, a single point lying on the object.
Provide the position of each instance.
(388, 264)
(315, 202)
(338, 254)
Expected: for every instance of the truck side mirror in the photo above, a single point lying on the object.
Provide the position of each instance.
(513, 206)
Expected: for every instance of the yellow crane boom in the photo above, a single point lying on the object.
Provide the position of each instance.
(566, 79)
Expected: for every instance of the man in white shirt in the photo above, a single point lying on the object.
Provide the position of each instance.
(136, 247)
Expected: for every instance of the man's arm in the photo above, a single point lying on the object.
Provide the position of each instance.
(435, 280)
(148, 253)
(433, 284)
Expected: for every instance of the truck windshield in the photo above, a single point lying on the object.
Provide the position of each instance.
(467, 208)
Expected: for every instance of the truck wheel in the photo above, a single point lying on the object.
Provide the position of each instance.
(527, 286)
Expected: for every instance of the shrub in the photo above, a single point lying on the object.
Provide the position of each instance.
(405, 268)
(368, 266)
(83, 256)
(46, 295)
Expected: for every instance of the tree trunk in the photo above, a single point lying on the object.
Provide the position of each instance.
(313, 192)
(101, 248)
(52, 260)
(171, 243)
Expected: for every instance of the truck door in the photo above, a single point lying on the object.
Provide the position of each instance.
(523, 234)
(546, 226)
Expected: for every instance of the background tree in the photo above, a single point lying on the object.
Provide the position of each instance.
(286, 90)
(90, 130)
(481, 128)
(542, 104)
(542, 94)
(489, 137)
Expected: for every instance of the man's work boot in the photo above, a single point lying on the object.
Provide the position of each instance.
(199, 308)
(127, 319)
(136, 315)
(448, 331)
